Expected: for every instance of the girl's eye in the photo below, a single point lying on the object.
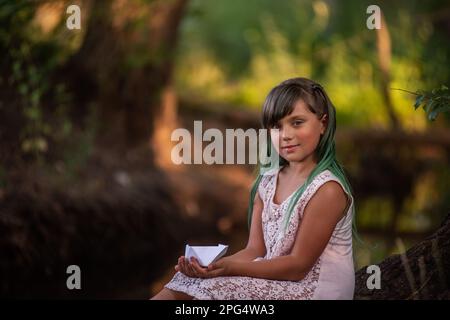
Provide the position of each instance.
(298, 122)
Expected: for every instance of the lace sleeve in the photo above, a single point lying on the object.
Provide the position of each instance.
(263, 186)
(319, 181)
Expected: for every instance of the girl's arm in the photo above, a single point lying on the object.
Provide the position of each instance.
(321, 215)
(255, 245)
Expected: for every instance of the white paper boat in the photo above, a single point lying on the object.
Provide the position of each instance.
(206, 254)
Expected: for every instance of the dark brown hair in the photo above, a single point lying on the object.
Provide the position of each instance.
(281, 100)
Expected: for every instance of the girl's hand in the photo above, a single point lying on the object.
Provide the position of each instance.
(191, 269)
(194, 270)
(185, 267)
(218, 269)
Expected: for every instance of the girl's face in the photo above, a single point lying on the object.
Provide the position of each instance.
(298, 133)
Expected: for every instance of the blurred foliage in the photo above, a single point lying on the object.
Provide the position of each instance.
(29, 61)
(239, 50)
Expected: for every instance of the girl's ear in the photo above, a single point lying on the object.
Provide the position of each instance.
(324, 121)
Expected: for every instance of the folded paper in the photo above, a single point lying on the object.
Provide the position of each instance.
(205, 254)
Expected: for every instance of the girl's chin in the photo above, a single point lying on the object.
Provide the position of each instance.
(295, 157)
(292, 156)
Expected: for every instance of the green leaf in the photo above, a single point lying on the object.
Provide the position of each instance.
(419, 101)
(429, 106)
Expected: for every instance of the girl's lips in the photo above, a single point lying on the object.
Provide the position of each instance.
(290, 148)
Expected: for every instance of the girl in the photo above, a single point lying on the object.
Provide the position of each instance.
(300, 242)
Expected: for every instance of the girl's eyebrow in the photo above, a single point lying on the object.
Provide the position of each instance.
(296, 116)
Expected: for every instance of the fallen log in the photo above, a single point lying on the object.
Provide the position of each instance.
(422, 272)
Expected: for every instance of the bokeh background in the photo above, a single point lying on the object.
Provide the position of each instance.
(86, 117)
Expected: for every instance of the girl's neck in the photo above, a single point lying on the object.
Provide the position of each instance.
(301, 169)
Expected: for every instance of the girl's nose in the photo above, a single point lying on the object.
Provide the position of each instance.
(285, 134)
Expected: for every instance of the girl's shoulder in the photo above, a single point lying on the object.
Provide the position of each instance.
(326, 176)
(320, 180)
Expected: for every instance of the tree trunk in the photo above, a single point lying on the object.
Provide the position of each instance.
(125, 64)
(384, 59)
(421, 272)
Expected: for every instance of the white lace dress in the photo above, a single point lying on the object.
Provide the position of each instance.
(332, 276)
